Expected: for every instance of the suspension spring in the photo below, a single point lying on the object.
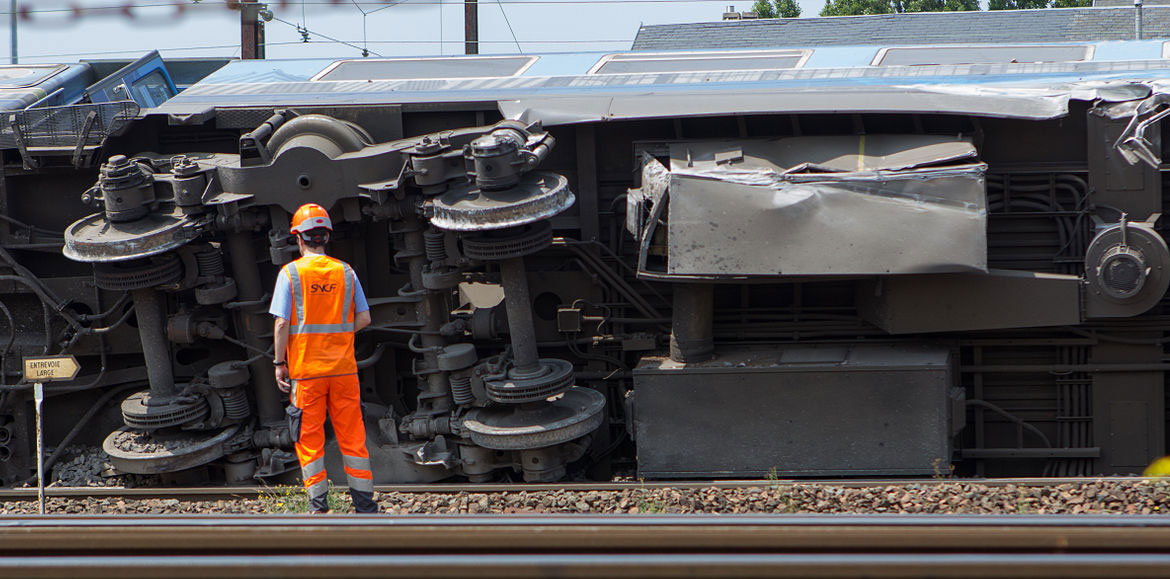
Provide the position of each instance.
(435, 245)
(210, 261)
(235, 404)
(461, 388)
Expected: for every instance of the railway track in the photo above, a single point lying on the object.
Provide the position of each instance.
(213, 493)
(586, 546)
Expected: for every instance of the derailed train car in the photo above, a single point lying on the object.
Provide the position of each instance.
(874, 261)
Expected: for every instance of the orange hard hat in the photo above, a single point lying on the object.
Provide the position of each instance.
(310, 216)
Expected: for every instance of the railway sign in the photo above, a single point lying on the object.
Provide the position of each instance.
(50, 368)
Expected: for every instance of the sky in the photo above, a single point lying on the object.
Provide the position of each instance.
(67, 30)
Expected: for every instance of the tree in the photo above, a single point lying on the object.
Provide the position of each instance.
(791, 9)
(856, 7)
(1072, 3)
(764, 9)
(776, 8)
(940, 6)
(1017, 4)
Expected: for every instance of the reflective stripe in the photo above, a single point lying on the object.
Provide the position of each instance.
(347, 297)
(313, 468)
(319, 489)
(321, 328)
(361, 484)
(356, 462)
(294, 281)
(294, 393)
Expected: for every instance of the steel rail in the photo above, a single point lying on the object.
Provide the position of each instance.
(526, 534)
(586, 546)
(212, 493)
(565, 565)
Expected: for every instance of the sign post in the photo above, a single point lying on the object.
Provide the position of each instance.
(38, 370)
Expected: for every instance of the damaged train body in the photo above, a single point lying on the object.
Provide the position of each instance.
(871, 261)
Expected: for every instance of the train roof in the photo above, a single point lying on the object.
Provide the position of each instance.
(1016, 80)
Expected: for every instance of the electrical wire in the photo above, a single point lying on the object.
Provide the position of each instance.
(330, 38)
(130, 6)
(509, 23)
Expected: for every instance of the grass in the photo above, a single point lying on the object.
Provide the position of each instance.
(647, 503)
(773, 478)
(289, 499)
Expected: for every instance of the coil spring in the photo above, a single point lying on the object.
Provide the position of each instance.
(210, 262)
(235, 404)
(461, 389)
(436, 246)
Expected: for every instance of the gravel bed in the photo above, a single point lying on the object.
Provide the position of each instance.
(146, 442)
(84, 466)
(1113, 497)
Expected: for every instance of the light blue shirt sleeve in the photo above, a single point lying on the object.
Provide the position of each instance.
(282, 297)
(359, 297)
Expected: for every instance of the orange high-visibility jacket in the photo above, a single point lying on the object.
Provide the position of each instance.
(320, 334)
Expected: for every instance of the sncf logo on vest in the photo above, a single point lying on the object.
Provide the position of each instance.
(322, 288)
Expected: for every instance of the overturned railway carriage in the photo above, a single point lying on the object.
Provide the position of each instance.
(840, 262)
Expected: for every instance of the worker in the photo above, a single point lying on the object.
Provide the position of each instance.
(317, 306)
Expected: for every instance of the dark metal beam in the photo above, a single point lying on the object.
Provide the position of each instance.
(470, 27)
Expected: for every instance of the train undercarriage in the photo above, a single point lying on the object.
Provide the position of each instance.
(689, 297)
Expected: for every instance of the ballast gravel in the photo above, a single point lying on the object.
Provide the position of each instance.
(1133, 497)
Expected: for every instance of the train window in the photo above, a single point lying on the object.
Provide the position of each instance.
(935, 55)
(426, 68)
(634, 63)
(151, 90)
(26, 75)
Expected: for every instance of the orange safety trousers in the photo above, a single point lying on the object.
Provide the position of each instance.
(321, 363)
(339, 396)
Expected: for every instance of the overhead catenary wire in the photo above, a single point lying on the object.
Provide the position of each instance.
(329, 38)
(509, 23)
(139, 51)
(122, 9)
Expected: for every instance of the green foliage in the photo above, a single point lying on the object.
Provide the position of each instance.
(787, 8)
(856, 7)
(776, 8)
(860, 7)
(1017, 4)
(940, 6)
(648, 503)
(1072, 3)
(764, 9)
(285, 499)
(772, 477)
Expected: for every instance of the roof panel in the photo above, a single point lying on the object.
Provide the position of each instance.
(937, 55)
(700, 61)
(426, 68)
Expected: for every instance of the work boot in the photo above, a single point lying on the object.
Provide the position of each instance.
(319, 505)
(363, 502)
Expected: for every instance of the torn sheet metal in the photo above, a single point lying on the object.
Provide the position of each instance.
(825, 206)
(1144, 116)
(655, 180)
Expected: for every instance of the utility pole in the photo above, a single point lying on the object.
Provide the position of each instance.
(470, 27)
(251, 30)
(12, 28)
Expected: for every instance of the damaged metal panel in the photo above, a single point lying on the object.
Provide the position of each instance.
(826, 206)
(797, 411)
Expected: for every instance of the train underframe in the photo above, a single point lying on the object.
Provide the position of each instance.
(664, 298)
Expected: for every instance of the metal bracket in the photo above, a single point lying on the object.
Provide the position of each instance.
(90, 119)
(29, 162)
(1133, 144)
